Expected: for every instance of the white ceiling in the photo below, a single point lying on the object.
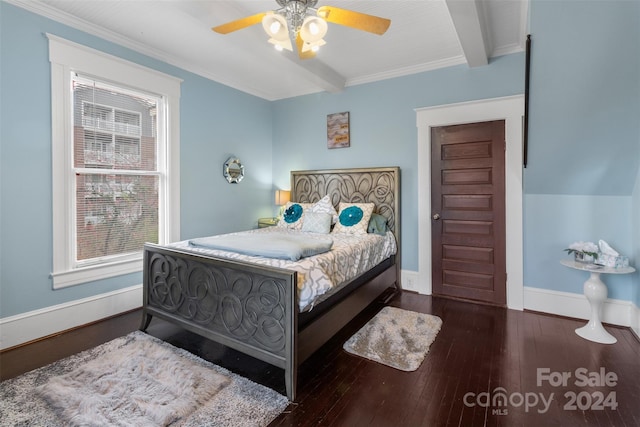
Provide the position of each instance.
(424, 35)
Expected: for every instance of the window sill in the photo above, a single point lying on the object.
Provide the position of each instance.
(64, 279)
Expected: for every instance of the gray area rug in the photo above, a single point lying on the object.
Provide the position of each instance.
(396, 337)
(136, 380)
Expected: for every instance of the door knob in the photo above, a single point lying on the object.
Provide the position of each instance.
(436, 216)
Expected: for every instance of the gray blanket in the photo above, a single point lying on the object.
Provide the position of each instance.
(270, 245)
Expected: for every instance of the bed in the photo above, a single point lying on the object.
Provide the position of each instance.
(255, 308)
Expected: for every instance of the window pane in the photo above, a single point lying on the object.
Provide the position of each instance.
(116, 214)
(103, 115)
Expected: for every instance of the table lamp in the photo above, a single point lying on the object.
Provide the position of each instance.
(282, 197)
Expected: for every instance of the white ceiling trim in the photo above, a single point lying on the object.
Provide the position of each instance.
(470, 19)
(506, 50)
(90, 28)
(524, 24)
(323, 76)
(405, 71)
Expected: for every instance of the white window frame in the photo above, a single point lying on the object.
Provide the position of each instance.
(66, 57)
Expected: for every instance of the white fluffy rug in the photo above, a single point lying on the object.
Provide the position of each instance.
(396, 337)
(136, 380)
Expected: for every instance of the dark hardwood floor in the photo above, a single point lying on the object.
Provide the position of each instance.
(481, 354)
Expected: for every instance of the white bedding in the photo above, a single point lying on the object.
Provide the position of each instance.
(321, 275)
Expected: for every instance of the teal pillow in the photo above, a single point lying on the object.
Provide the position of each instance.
(293, 215)
(353, 218)
(377, 224)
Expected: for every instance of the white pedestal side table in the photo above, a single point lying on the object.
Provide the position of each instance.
(596, 292)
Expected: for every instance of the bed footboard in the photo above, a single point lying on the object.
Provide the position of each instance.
(246, 307)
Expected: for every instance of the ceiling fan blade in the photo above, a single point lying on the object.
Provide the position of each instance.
(239, 23)
(303, 55)
(349, 18)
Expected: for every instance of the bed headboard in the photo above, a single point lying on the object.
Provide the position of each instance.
(372, 185)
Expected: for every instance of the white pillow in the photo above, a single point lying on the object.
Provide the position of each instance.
(353, 218)
(293, 215)
(324, 205)
(317, 222)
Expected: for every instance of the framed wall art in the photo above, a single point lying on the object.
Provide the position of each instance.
(338, 130)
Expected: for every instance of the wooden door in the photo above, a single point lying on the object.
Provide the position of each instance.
(468, 211)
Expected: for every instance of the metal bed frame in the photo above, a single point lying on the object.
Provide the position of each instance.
(254, 309)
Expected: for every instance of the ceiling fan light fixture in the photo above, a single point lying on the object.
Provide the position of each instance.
(275, 25)
(313, 29)
(299, 22)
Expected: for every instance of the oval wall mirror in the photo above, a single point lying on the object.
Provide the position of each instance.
(233, 170)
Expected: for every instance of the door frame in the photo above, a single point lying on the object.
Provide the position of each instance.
(511, 110)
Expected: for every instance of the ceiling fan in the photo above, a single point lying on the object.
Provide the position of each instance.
(300, 21)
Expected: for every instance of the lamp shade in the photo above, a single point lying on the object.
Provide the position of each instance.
(282, 197)
(275, 26)
(313, 29)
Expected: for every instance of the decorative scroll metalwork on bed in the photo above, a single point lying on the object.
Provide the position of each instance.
(253, 309)
(376, 186)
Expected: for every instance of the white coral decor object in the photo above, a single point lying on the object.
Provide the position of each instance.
(584, 247)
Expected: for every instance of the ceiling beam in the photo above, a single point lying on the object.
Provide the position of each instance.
(471, 28)
(318, 72)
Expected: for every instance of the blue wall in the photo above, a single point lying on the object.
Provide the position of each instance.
(585, 86)
(554, 221)
(584, 137)
(213, 126)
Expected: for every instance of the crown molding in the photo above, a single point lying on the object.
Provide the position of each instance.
(321, 76)
(43, 9)
(407, 71)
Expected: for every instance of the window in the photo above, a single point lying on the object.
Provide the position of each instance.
(117, 187)
(115, 162)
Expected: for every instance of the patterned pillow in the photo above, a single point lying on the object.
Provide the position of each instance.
(293, 215)
(317, 222)
(324, 205)
(353, 218)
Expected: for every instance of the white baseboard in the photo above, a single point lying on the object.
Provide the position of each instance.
(32, 325)
(25, 327)
(635, 320)
(615, 312)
